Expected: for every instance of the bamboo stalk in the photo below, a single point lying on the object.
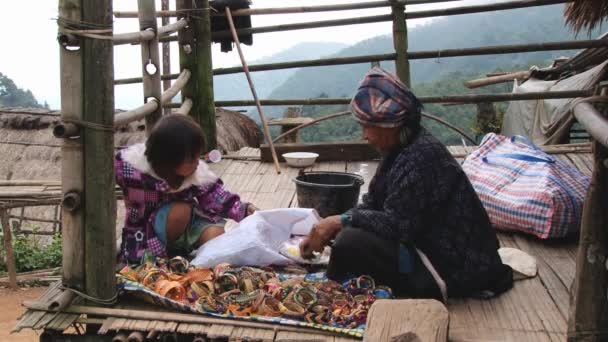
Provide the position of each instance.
(138, 113)
(166, 53)
(255, 95)
(99, 198)
(185, 108)
(482, 82)
(150, 57)
(402, 64)
(8, 248)
(426, 54)
(147, 35)
(170, 317)
(72, 154)
(176, 87)
(289, 10)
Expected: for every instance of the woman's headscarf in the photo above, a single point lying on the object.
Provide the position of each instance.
(382, 100)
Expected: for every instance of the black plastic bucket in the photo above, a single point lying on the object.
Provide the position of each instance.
(330, 193)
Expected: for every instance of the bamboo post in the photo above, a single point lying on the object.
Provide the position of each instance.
(72, 154)
(402, 64)
(588, 313)
(8, 248)
(99, 197)
(150, 60)
(255, 95)
(195, 55)
(166, 52)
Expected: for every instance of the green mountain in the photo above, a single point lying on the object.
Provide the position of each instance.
(235, 87)
(536, 24)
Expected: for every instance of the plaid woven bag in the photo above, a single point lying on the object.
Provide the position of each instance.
(525, 189)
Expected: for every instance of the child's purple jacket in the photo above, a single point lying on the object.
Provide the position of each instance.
(145, 192)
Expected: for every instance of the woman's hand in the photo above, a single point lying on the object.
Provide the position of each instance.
(251, 209)
(320, 236)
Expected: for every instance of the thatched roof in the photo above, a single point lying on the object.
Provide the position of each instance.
(586, 14)
(40, 161)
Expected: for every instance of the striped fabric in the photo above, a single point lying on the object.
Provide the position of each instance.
(524, 189)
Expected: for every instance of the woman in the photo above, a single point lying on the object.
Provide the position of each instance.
(421, 227)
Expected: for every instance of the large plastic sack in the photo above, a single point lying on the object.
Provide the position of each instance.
(525, 189)
(256, 240)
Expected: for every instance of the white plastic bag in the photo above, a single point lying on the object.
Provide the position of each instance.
(257, 239)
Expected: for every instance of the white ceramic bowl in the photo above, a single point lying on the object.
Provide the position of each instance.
(300, 159)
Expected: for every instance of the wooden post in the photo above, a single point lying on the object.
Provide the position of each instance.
(291, 112)
(98, 140)
(72, 157)
(8, 248)
(486, 118)
(195, 55)
(589, 306)
(402, 63)
(166, 53)
(150, 60)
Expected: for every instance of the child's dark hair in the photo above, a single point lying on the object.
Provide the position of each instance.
(173, 139)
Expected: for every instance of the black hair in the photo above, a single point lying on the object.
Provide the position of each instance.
(173, 139)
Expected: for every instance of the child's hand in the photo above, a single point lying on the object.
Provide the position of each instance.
(251, 209)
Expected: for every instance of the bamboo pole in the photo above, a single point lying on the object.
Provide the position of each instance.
(588, 320)
(402, 64)
(252, 87)
(594, 122)
(482, 82)
(8, 248)
(72, 154)
(170, 317)
(150, 59)
(166, 53)
(138, 113)
(195, 55)
(144, 35)
(99, 195)
(426, 54)
(471, 98)
(179, 84)
(185, 108)
(380, 18)
(290, 10)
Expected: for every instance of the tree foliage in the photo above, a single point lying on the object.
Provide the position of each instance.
(13, 96)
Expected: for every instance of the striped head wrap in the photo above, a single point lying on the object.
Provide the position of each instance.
(382, 100)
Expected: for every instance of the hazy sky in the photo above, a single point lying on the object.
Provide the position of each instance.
(31, 58)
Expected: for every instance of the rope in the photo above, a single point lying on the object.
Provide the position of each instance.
(91, 125)
(109, 301)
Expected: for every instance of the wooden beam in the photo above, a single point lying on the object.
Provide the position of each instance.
(150, 61)
(99, 197)
(402, 64)
(348, 151)
(593, 121)
(72, 153)
(8, 248)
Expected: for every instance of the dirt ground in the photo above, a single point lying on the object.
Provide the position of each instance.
(11, 310)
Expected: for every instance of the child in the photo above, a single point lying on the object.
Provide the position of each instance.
(174, 203)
